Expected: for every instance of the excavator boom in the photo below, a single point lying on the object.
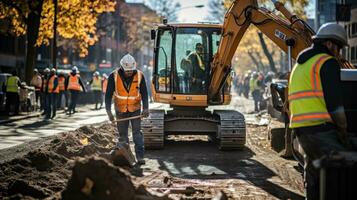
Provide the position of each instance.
(286, 31)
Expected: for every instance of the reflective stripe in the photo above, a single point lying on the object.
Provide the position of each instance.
(311, 117)
(305, 94)
(315, 72)
(61, 85)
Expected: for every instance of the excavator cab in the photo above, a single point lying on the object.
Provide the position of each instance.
(182, 73)
(183, 54)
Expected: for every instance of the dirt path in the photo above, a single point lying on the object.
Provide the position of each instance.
(190, 167)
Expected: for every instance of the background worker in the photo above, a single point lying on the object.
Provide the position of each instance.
(36, 82)
(315, 98)
(96, 83)
(45, 76)
(12, 93)
(52, 89)
(73, 85)
(127, 87)
(104, 85)
(62, 91)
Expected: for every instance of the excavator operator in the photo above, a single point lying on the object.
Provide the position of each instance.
(315, 97)
(198, 70)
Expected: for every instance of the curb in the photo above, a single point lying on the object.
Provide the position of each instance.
(5, 121)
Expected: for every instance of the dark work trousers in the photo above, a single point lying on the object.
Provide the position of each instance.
(61, 95)
(316, 141)
(43, 101)
(38, 99)
(12, 99)
(74, 98)
(97, 95)
(51, 105)
(136, 132)
(257, 98)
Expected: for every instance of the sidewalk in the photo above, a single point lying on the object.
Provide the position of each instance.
(7, 119)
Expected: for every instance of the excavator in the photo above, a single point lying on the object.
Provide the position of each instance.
(192, 71)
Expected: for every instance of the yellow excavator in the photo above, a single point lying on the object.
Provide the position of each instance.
(192, 70)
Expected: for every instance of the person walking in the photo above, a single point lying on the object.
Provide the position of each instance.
(73, 85)
(317, 114)
(36, 82)
(44, 95)
(127, 87)
(96, 83)
(62, 91)
(52, 90)
(12, 93)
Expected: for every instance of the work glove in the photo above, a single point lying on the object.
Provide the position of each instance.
(145, 113)
(110, 116)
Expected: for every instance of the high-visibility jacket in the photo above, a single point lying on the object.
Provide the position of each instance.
(51, 85)
(12, 84)
(44, 83)
(253, 84)
(127, 101)
(73, 83)
(36, 81)
(97, 84)
(105, 85)
(61, 83)
(306, 97)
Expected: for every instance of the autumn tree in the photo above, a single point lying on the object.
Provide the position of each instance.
(166, 8)
(76, 20)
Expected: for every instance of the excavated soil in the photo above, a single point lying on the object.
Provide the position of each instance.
(71, 166)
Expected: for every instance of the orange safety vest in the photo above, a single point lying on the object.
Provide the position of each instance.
(73, 83)
(127, 101)
(61, 85)
(51, 84)
(105, 85)
(44, 84)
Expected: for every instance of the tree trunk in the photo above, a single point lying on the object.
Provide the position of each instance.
(255, 61)
(33, 26)
(267, 53)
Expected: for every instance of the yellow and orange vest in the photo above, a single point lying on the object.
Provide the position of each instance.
(51, 84)
(306, 97)
(61, 83)
(73, 83)
(127, 101)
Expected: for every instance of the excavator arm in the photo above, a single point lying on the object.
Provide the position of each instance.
(284, 32)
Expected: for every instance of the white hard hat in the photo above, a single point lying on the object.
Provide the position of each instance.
(96, 73)
(332, 31)
(53, 70)
(105, 75)
(128, 62)
(47, 70)
(74, 69)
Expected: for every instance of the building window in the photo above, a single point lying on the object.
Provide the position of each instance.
(354, 30)
(353, 53)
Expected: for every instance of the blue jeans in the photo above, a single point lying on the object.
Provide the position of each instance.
(136, 131)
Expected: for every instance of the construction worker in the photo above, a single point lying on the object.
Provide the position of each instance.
(73, 85)
(198, 70)
(315, 97)
(44, 95)
(52, 89)
(36, 82)
(12, 93)
(62, 90)
(104, 84)
(127, 87)
(255, 90)
(96, 83)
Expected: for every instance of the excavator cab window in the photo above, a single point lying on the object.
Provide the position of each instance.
(163, 70)
(194, 48)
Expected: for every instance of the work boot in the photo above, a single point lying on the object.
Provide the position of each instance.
(53, 117)
(141, 161)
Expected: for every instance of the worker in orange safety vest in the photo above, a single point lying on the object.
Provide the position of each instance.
(74, 85)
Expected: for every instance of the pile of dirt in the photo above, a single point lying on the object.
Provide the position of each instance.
(108, 183)
(46, 171)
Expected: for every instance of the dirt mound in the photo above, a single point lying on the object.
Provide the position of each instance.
(27, 189)
(88, 182)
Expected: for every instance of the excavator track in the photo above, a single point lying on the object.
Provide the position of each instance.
(153, 129)
(231, 130)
